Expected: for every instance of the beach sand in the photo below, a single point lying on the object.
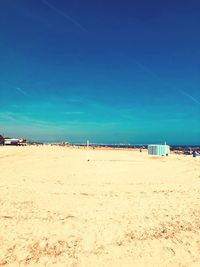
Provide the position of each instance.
(121, 208)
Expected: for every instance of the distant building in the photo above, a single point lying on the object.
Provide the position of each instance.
(11, 142)
(159, 150)
(14, 142)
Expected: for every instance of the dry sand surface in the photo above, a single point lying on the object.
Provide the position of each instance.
(121, 208)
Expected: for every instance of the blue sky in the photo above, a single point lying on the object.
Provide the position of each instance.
(107, 71)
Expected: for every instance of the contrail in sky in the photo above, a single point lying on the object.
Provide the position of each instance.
(61, 13)
(21, 91)
(189, 96)
(171, 86)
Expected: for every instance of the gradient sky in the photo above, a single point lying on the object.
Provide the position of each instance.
(108, 71)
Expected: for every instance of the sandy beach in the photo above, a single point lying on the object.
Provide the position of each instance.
(120, 208)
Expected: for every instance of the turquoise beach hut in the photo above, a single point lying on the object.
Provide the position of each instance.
(159, 150)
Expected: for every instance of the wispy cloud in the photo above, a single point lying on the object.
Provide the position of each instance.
(189, 96)
(20, 90)
(64, 15)
(7, 116)
(167, 84)
(14, 119)
(72, 112)
(25, 121)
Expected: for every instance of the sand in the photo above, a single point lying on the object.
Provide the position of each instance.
(121, 208)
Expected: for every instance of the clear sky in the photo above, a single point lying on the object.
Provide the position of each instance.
(108, 71)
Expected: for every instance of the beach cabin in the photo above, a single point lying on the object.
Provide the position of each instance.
(159, 150)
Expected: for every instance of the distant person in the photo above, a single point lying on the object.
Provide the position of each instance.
(194, 153)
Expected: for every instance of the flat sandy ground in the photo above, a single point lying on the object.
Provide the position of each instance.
(121, 208)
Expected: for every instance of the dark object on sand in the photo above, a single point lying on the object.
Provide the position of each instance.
(194, 154)
(188, 151)
(1, 140)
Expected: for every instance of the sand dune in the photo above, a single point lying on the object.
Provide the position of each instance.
(121, 208)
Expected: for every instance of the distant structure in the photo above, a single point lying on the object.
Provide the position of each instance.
(14, 142)
(159, 150)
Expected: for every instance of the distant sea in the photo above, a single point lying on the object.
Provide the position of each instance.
(136, 145)
(144, 146)
(172, 146)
